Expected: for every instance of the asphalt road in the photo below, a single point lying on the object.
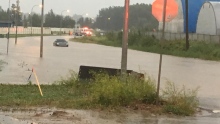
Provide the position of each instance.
(58, 61)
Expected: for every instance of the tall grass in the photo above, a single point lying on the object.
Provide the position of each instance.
(103, 91)
(112, 91)
(180, 101)
(139, 41)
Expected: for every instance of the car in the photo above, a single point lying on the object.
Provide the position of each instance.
(61, 42)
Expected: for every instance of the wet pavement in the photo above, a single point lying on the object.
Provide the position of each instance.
(57, 61)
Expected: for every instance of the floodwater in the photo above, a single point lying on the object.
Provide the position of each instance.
(58, 61)
(61, 116)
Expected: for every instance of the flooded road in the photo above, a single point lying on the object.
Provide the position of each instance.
(57, 61)
(64, 116)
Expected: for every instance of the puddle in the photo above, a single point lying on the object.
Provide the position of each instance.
(4, 119)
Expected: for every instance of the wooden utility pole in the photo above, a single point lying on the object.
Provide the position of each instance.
(9, 24)
(125, 40)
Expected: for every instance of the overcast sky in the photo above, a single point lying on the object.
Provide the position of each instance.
(79, 7)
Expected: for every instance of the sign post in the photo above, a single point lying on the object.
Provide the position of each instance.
(164, 11)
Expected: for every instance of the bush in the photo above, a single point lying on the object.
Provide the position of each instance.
(112, 91)
(180, 101)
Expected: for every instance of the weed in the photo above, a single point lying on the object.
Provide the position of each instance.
(102, 92)
(112, 91)
(139, 41)
(180, 101)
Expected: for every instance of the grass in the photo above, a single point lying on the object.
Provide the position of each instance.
(180, 101)
(103, 92)
(138, 41)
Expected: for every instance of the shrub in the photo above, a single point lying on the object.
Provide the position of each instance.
(112, 91)
(180, 101)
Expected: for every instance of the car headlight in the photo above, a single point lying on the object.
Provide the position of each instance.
(57, 43)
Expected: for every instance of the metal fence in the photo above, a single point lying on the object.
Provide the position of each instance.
(192, 36)
(35, 30)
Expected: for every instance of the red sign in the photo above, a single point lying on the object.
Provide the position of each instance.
(171, 10)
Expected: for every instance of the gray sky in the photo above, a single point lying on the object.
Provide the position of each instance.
(79, 7)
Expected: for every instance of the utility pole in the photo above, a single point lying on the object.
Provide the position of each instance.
(187, 25)
(125, 40)
(9, 25)
(42, 32)
(161, 55)
(16, 20)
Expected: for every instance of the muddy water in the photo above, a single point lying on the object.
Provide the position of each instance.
(62, 116)
(58, 61)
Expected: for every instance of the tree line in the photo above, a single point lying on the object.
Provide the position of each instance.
(108, 18)
(140, 17)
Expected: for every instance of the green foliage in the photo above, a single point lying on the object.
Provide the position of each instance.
(140, 17)
(112, 91)
(180, 101)
(139, 41)
(4, 15)
(53, 20)
(103, 91)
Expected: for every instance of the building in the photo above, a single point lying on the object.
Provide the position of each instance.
(177, 25)
(209, 19)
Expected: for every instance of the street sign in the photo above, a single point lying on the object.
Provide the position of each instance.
(171, 10)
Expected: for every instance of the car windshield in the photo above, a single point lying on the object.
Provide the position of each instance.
(60, 40)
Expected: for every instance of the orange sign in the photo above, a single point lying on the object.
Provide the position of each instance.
(171, 10)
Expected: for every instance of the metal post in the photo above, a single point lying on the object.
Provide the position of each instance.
(16, 21)
(187, 25)
(61, 23)
(161, 55)
(125, 40)
(9, 14)
(42, 32)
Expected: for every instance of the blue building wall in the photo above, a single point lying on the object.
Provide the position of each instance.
(194, 9)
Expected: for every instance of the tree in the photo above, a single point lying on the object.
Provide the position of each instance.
(4, 15)
(140, 18)
(53, 20)
(68, 22)
(36, 20)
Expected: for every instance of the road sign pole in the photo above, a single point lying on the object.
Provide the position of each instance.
(187, 25)
(161, 55)
(42, 25)
(9, 25)
(16, 21)
(125, 40)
